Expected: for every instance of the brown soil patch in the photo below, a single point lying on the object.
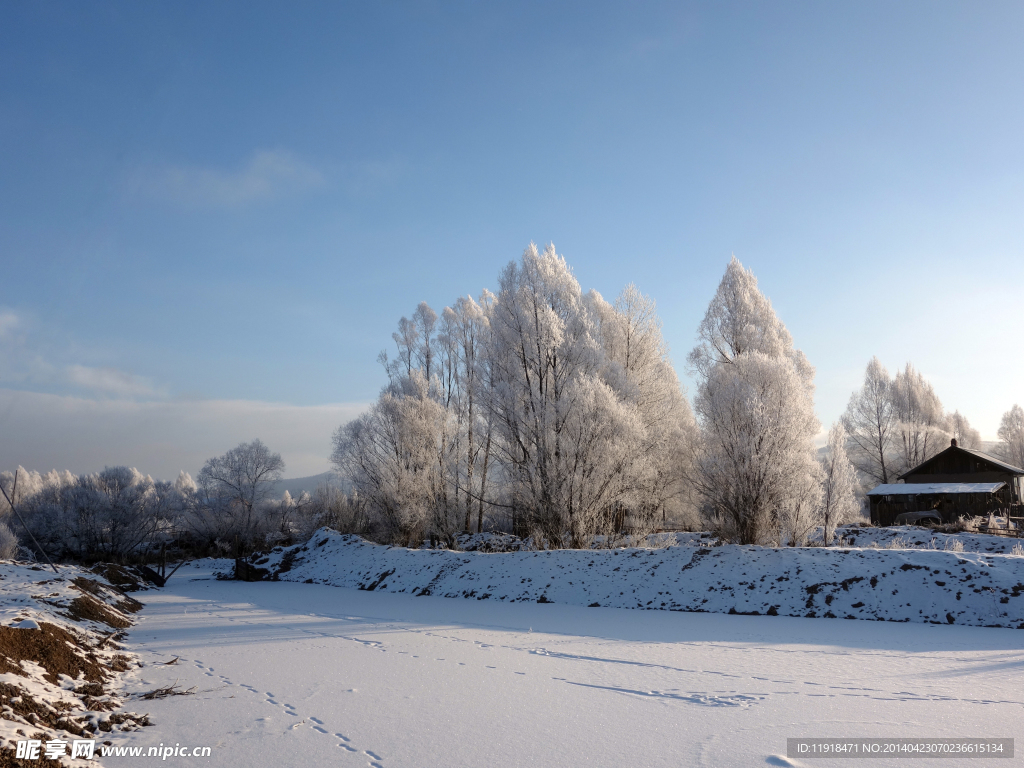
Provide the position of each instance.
(89, 608)
(123, 577)
(91, 586)
(105, 593)
(55, 650)
(129, 605)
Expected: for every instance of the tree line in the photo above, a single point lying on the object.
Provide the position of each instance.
(121, 515)
(553, 414)
(897, 422)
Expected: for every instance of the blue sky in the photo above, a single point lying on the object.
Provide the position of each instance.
(213, 214)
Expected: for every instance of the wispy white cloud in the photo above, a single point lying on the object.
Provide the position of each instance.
(268, 174)
(111, 381)
(29, 358)
(9, 322)
(43, 432)
(22, 359)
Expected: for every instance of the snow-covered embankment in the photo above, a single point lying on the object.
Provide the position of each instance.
(61, 661)
(891, 585)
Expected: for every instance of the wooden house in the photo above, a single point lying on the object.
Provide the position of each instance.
(958, 481)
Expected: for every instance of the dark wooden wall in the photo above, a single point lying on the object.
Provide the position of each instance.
(949, 506)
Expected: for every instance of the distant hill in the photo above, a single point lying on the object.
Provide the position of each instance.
(296, 485)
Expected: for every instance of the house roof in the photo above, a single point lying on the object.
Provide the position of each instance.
(994, 460)
(980, 454)
(915, 489)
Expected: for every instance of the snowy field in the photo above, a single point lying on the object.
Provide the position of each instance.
(306, 674)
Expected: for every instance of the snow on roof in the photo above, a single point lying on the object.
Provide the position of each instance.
(913, 489)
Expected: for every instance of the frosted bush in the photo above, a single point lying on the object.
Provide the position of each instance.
(1018, 550)
(973, 523)
(8, 543)
(954, 545)
(657, 541)
(898, 543)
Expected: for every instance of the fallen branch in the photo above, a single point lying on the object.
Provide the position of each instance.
(170, 690)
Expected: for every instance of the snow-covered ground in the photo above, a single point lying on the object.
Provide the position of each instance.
(306, 674)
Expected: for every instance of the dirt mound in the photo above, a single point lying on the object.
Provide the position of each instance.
(58, 647)
(125, 577)
(54, 649)
(108, 593)
(90, 609)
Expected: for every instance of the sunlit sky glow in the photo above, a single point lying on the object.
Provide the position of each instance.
(213, 214)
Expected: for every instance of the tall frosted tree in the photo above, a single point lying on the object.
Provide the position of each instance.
(895, 423)
(921, 427)
(393, 455)
(869, 422)
(566, 439)
(839, 502)
(464, 383)
(1011, 436)
(638, 368)
(234, 488)
(755, 469)
(741, 319)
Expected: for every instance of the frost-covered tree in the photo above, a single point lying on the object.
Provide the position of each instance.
(741, 319)
(961, 429)
(547, 410)
(330, 506)
(426, 321)
(110, 515)
(870, 423)
(1011, 436)
(799, 518)
(45, 503)
(464, 376)
(756, 452)
(18, 486)
(921, 428)
(565, 437)
(894, 424)
(637, 367)
(8, 542)
(839, 502)
(184, 484)
(127, 506)
(233, 488)
(392, 454)
(755, 469)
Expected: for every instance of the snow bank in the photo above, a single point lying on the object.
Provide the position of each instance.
(918, 537)
(928, 586)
